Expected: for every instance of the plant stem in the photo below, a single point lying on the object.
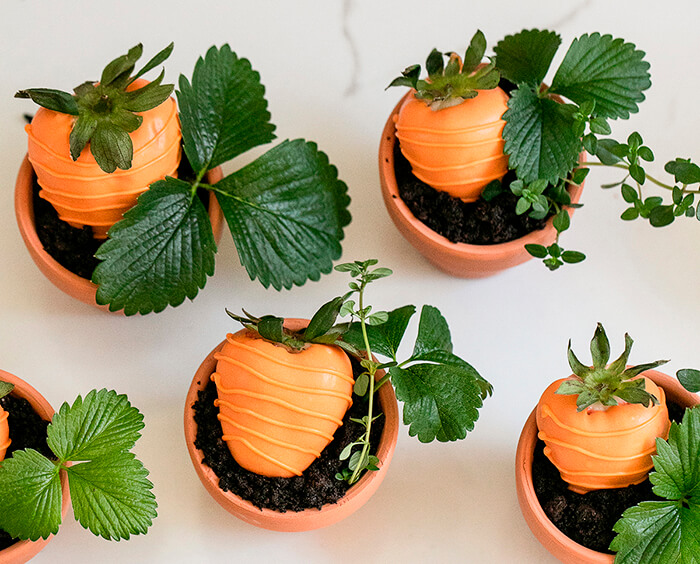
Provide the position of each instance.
(372, 371)
(648, 176)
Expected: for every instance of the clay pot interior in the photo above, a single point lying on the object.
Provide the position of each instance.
(290, 521)
(556, 542)
(22, 551)
(457, 259)
(65, 280)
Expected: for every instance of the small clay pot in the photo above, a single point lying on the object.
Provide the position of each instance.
(291, 521)
(549, 535)
(65, 280)
(458, 259)
(23, 551)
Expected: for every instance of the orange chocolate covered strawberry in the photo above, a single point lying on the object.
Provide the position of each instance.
(5, 388)
(96, 150)
(600, 425)
(449, 128)
(279, 407)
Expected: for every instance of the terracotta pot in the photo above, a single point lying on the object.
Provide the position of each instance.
(22, 551)
(291, 521)
(552, 538)
(458, 259)
(72, 284)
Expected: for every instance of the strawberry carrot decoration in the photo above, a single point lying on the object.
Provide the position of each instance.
(280, 404)
(5, 388)
(450, 127)
(600, 425)
(96, 150)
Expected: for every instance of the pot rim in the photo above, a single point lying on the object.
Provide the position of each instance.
(386, 168)
(70, 283)
(24, 550)
(555, 541)
(291, 521)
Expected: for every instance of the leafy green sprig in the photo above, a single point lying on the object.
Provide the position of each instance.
(667, 531)
(109, 489)
(450, 84)
(278, 207)
(441, 392)
(604, 384)
(5, 388)
(107, 110)
(603, 79)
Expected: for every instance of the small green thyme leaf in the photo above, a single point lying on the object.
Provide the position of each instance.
(5, 388)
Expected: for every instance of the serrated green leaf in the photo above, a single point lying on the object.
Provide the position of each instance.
(440, 401)
(30, 495)
(286, 211)
(111, 146)
(444, 357)
(112, 496)
(433, 332)
(5, 388)
(51, 99)
(667, 531)
(608, 71)
(223, 112)
(384, 339)
(526, 56)
(159, 254)
(101, 424)
(539, 137)
(688, 377)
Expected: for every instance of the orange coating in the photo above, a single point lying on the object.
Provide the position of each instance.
(4, 433)
(81, 192)
(457, 150)
(603, 449)
(279, 409)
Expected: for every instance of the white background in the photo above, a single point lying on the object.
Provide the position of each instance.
(325, 66)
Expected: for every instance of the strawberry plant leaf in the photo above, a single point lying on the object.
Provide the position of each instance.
(433, 332)
(607, 71)
(688, 377)
(385, 338)
(5, 388)
(101, 424)
(440, 401)
(286, 211)
(30, 495)
(539, 137)
(159, 254)
(112, 496)
(444, 357)
(667, 531)
(525, 57)
(223, 112)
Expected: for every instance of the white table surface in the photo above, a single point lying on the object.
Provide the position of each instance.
(325, 66)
